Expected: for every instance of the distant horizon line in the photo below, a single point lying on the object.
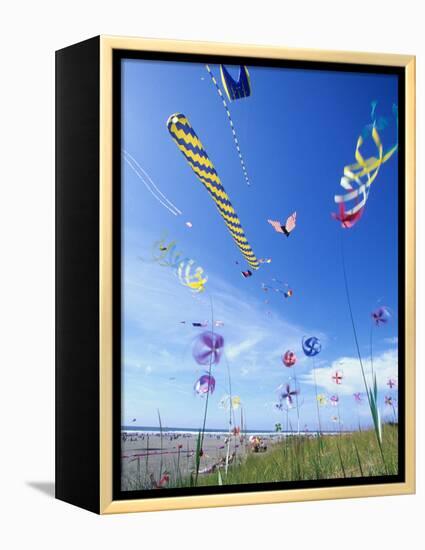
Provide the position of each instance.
(127, 427)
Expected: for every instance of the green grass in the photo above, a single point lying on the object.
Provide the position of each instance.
(304, 458)
(296, 458)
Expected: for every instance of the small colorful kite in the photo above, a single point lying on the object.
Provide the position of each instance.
(190, 145)
(288, 293)
(246, 274)
(234, 90)
(286, 228)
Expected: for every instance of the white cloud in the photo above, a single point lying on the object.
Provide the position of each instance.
(392, 341)
(235, 350)
(385, 366)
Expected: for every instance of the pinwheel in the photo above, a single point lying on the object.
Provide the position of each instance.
(205, 384)
(334, 400)
(311, 346)
(391, 383)
(289, 359)
(337, 378)
(381, 316)
(227, 402)
(287, 394)
(322, 399)
(208, 348)
(358, 397)
(389, 401)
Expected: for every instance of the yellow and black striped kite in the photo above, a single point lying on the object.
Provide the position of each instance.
(190, 145)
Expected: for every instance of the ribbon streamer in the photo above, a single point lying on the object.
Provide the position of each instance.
(357, 179)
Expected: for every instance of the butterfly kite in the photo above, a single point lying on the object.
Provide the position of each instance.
(285, 228)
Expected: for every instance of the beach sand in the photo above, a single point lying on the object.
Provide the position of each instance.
(142, 458)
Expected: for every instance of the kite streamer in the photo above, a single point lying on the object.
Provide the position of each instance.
(358, 178)
(193, 279)
(232, 126)
(189, 144)
(189, 276)
(149, 184)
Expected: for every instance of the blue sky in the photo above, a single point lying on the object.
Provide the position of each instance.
(297, 131)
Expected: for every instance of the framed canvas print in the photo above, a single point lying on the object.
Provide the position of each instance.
(235, 274)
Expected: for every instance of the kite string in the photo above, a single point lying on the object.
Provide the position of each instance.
(232, 126)
(143, 176)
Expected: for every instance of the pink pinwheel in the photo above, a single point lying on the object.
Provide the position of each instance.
(358, 397)
(381, 316)
(205, 384)
(337, 377)
(287, 394)
(208, 348)
(334, 400)
(391, 383)
(289, 358)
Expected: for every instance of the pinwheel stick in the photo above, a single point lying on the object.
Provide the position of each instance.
(201, 441)
(371, 405)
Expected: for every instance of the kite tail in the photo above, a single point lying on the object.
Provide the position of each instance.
(149, 184)
(232, 126)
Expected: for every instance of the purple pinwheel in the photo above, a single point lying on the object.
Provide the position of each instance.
(205, 384)
(391, 383)
(358, 398)
(334, 400)
(287, 394)
(389, 401)
(381, 316)
(207, 348)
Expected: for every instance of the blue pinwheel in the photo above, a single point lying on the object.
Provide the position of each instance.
(311, 346)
